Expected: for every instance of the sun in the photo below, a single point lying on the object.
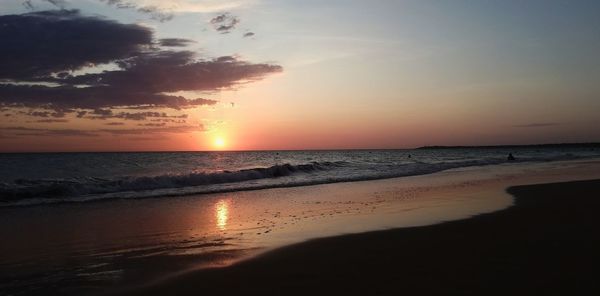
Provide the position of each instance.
(219, 142)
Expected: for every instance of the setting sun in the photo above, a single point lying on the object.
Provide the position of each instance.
(219, 142)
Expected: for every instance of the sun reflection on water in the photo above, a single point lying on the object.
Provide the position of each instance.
(222, 214)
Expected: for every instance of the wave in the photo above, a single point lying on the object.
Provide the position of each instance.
(50, 188)
(32, 192)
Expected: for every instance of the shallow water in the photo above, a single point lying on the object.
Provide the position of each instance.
(86, 247)
(30, 179)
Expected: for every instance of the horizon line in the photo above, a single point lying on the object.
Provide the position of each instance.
(593, 144)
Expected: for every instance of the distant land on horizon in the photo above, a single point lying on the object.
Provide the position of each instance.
(553, 145)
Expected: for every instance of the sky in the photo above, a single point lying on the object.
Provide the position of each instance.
(149, 75)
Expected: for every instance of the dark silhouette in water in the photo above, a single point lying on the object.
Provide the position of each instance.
(409, 156)
(510, 157)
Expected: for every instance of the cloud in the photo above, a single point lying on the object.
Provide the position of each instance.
(61, 66)
(203, 6)
(159, 10)
(153, 11)
(50, 120)
(42, 113)
(27, 4)
(144, 131)
(172, 71)
(224, 23)
(24, 131)
(145, 139)
(169, 120)
(152, 124)
(175, 42)
(163, 11)
(19, 131)
(36, 45)
(539, 124)
(104, 114)
(58, 3)
(40, 50)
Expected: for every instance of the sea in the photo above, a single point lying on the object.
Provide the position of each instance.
(28, 179)
(101, 223)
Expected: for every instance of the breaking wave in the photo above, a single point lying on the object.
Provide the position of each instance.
(25, 192)
(51, 188)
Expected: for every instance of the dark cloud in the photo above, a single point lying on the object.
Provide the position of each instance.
(50, 120)
(36, 45)
(539, 124)
(24, 131)
(20, 131)
(45, 63)
(175, 42)
(170, 71)
(152, 124)
(169, 120)
(100, 96)
(38, 113)
(138, 116)
(248, 34)
(102, 112)
(224, 23)
(143, 131)
(34, 113)
(40, 50)
(144, 139)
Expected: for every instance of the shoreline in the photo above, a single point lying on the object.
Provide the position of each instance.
(546, 243)
(168, 192)
(126, 244)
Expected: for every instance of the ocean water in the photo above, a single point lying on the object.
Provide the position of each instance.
(81, 247)
(31, 179)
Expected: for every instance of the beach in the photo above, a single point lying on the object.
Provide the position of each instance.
(374, 235)
(247, 147)
(546, 244)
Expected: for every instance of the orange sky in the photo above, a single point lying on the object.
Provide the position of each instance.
(386, 75)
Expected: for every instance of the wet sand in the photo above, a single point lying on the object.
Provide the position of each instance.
(546, 244)
(121, 245)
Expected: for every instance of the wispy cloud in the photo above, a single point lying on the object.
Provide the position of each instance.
(224, 23)
(154, 130)
(19, 131)
(537, 124)
(25, 131)
(50, 120)
(159, 10)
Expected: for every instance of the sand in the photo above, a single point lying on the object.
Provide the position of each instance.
(546, 244)
(121, 245)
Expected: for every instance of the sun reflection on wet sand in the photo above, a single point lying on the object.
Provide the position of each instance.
(222, 214)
